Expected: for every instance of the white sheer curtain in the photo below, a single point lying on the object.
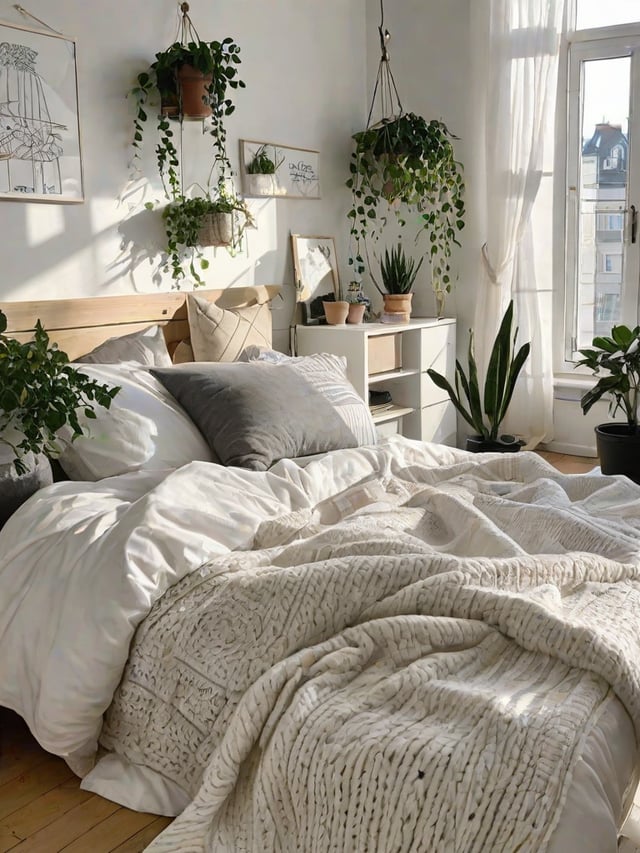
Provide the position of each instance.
(517, 44)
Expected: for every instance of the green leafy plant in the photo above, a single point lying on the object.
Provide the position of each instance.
(405, 167)
(40, 393)
(184, 218)
(262, 163)
(504, 366)
(217, 58)
(397, 271)
(619, 356)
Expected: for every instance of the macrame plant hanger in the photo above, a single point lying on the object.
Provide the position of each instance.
(186, 30)
(385, 90)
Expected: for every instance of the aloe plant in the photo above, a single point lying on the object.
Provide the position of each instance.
(398, 272)
(504, 366)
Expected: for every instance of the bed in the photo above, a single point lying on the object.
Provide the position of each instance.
(392, 646)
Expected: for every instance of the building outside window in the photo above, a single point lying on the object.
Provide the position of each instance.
(603, 172)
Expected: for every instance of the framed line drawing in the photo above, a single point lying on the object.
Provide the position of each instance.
(315, 267)
(40, 157)
(269, 169)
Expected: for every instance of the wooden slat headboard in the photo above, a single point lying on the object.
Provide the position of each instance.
(79, 325)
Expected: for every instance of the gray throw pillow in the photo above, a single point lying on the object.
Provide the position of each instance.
(144, 347)
(253, 414)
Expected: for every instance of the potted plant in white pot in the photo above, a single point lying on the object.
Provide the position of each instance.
(39, 394)
(260, 178)
(618, 356)
(485, 411)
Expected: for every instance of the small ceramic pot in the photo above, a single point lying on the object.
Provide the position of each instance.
(194, 92)
(356, 312)
(336, 313)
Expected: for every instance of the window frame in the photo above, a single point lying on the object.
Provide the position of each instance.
(578, 46)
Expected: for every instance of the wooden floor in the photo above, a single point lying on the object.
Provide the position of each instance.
(43, 810)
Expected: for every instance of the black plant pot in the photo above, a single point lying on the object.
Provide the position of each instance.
(477, 444)
(619, 450)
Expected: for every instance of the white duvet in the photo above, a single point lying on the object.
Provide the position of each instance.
(82, 565)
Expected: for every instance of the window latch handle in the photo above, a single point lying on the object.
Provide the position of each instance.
(634, 223)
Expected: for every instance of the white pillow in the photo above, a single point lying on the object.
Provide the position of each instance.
(145, 347)
(145, 428)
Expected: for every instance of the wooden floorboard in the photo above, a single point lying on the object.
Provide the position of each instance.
(43, 810)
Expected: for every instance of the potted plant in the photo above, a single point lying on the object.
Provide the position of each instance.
(618, 444)
(398, 273)
(194, 223)
(485, 411)
(406, 166)
(211, 66)
(216, 63)
(260, 178)
(39, 394)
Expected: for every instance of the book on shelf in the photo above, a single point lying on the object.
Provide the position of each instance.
(376, 408)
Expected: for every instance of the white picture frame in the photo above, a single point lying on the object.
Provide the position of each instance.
(40, 155)
(296, 172)
(315, 267)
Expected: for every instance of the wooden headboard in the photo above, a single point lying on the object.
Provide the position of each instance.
(79, 325)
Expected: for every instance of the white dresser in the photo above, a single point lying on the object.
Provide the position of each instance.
(395, 358)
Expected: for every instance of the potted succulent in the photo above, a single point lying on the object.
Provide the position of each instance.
(618, 444)
(405, 166)
(194, 223)
(485, 411)
(39, 394)
(398, 274)
(260, 178)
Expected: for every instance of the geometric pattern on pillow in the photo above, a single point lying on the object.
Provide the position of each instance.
(220, 334)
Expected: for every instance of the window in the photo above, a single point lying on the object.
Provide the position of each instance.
(603, 171)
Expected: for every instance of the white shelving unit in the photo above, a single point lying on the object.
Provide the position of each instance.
(395, 358)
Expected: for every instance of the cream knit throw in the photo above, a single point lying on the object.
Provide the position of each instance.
(386, 683)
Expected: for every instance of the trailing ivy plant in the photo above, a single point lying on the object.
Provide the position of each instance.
(40, 393)
(405, 167)
(218, 58)
(183, 219)
(183, 216)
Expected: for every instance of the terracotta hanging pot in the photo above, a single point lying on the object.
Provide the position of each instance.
(398, 304)
(216, 230)
(194, 92)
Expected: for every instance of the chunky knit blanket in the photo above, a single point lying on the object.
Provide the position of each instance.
(411, 664)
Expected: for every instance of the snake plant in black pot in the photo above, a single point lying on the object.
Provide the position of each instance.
(485, 411)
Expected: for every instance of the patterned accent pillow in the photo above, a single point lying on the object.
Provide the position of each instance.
(145, 347)
(220, 334)
(254, 413)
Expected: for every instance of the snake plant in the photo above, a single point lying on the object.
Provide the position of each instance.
(504, 366)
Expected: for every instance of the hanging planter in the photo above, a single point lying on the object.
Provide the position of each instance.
(194, 92)
(403, 167)
(192, 78)
(194, 223)
(216, 229)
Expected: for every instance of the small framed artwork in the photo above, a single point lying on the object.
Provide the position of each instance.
(315, 268)
(40, 156)
(269, 169)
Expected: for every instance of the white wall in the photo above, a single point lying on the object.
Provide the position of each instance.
(304, 66)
